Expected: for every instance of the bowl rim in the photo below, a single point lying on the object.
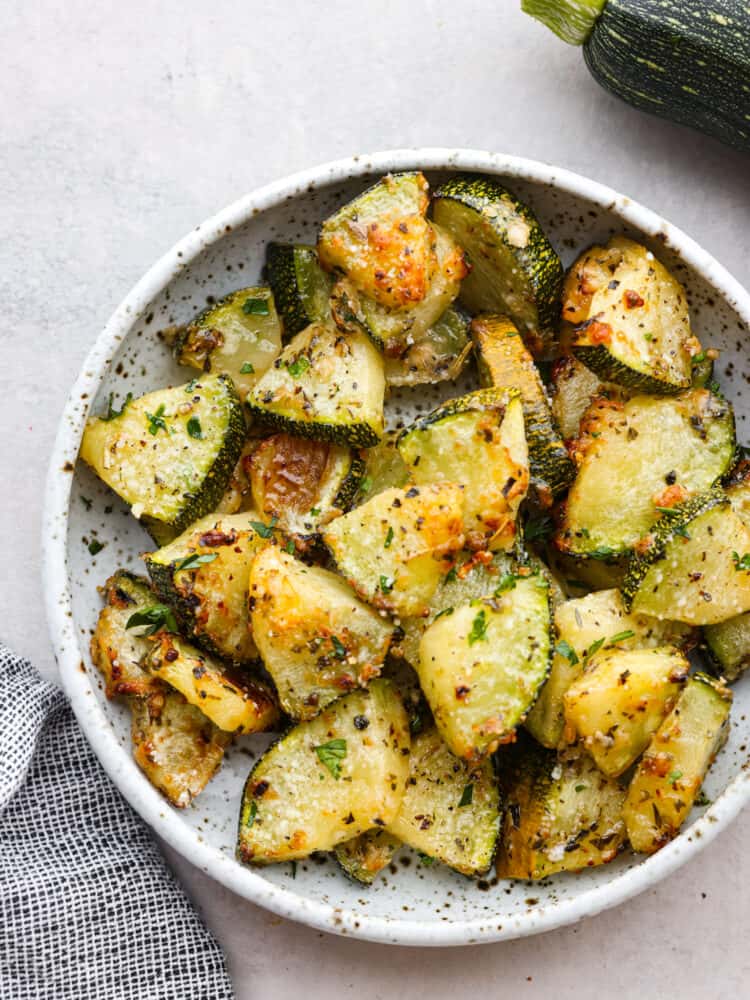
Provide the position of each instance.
(78, 683)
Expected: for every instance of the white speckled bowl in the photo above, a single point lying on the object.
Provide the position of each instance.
(411, 905)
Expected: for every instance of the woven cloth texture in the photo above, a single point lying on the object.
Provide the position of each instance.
(88, 908)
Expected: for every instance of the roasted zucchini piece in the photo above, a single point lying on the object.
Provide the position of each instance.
(170, 453)
(479, 442)
(584, 575)
(382, 241)
(203, 577)
(514, 269)
(299, 484)
(239, 336)
(620, 700)
(728, 646)
(573, 388)
(317, 639)
(656, 450)
(438, 355)
(471, 577)
(327, 780)
(237, 497)
(450, 811)
(696, 565)
(326, 385)
(362, 858)
(394, 330)
(482, 666)
(630, 318)
(584, 625)
(116, 650)
(395, 548)
(672, 770)
(232, 700)
(175, 745)
(560, 815)
(301, 288)
(384, 468)
(505, 363)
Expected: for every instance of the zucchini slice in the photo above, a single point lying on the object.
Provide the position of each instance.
(621, 699)
(652, 448)
(384, 468)
(479, 442)
(672, 770)
(203, 576)
(382, 241)
(560, 815)
(482, 666)
(450, 811)
(327, 780)
(239, 336)
(362, 858)
(116, 650)
(574, 387)
(694, 568)
(584, 625)
(394, 330)
(299, 484)
(235, 702)
(317, 639)
(301, 288)
(395, 548)
(170, 453)
(326, 385)
(439, 355)
(630, 318)
(471, 577)
(505, 363)
(728, 646)
(175, 745)
(514, 268)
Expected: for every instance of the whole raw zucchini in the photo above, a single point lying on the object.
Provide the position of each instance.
(686, 60)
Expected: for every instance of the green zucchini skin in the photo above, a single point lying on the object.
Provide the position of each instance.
(534, 304)
(299, 284)
(685, 60)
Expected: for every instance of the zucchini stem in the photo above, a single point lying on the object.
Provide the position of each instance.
(571, 20)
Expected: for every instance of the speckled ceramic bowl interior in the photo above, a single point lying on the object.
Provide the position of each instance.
(410, 903)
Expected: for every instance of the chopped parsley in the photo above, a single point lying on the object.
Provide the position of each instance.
(507, 582)
(156, 421)
(386, 584)
(467, 796)
(621, 637)
(298, 366)
(741, 563)
(601, 552)
(112, 412)
(264, 530)
(95, 546)
(452, 575)
(365, 485)
(315, 512)
(191, 385)
(594, 648)
(331, 754)
(194, 428)
(674, 776)
(682, 531)
(388, 537)
(445, 611)
(425, 859)
(247, 369)
(478, 628)
(538, 528)
(338, 647)
(195, 560)
(581, 788)
(702, 799)
(155, 617)
(255, 307)
(565, 649)
(252, 813)
(290, 547)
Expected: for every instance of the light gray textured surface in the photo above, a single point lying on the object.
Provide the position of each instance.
(125, 125)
